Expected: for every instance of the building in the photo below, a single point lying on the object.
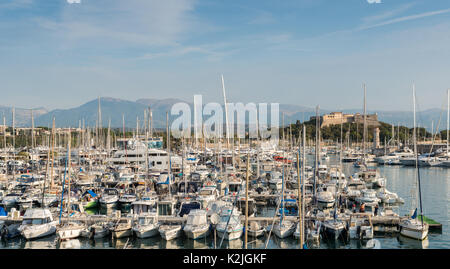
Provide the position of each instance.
(338, 117)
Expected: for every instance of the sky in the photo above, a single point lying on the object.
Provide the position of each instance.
(63, 53)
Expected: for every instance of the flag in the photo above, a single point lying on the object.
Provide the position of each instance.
(415, 214)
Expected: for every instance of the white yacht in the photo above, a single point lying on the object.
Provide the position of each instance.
(206, 195)
(325, 197)
(368, 196)
(37, 222)
(136, 152)
(197, 225)
(285, 229)
(360, 226)
(122, 228)
(275, 180)
(109, 197)
(414, 228)
(147, 225)
(169, 232)
(230, 226)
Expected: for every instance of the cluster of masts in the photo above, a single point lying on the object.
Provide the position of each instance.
(200, 189)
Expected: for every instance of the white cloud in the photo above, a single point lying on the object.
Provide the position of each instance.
(388, 14)
(405, 18)
(123, 22)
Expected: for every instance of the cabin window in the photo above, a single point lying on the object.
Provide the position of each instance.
(205, 192)
(142, 221)
(37, 221)
(165, 209)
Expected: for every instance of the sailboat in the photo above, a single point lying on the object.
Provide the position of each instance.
(284, 228)
(413, 227)
(69, 230)
(447, 162)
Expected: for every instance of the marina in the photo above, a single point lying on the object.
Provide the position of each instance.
(114, 202)
(212, 125)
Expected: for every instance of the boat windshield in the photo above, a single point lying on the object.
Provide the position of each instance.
(143, 221)
(37, 221)
(205, 192)
(196, 220)
(233, 219)
(234, 187)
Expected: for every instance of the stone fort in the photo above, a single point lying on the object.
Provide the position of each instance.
(338, 117)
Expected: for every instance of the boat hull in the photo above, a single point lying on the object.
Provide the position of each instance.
(197, 234)
(122, 233)
(146, 233)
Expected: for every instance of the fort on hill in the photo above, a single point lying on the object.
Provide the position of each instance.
(338, 117)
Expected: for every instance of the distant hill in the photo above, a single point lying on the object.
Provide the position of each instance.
(113, 108)
(22, 115)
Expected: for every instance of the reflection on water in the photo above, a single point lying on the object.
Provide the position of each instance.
(41, 243)
(406, 242)
(70, 244)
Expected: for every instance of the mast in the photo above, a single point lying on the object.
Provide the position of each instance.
(53, 154)
(14, 141)
(303, 183)
(151, 122)
(246, 200)
(32, 129)
(4, 133)
(448, 115)
(299, 196)
(68, 173)
(100, 143)
(226, 113)
(316, 158)
(124, 140)
(168, 151)
(365, 127)
(417, 154)
(167, 131)
(46, 171)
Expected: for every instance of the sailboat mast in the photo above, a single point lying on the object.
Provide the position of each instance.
(316, 159)
(417, 154)
(226, 113)
(299, 196)
(68, 173)
(246, 200)
(303, 182)
(448, 115)
(32, 129)
(365, 125)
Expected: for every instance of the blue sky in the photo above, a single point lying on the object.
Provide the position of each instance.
(306, 52)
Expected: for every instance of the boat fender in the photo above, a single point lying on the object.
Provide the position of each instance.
(4, 232)
(92, 233)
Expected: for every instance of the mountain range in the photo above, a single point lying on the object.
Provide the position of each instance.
(114, 109)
